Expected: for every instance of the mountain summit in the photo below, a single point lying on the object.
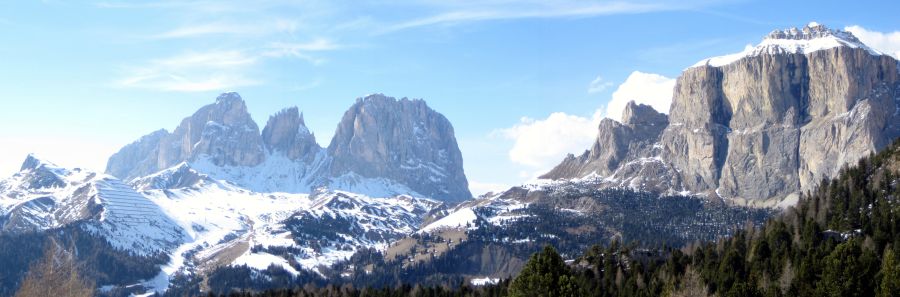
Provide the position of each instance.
(760, 126)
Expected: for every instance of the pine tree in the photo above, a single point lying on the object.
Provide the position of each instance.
(890, 275)
(545, 275)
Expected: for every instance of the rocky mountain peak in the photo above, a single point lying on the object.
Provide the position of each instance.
(811, 31)
(617, 144)
(33, 162)
(286, 132)
(811, 38)
(402, 140)
(229, 99)
(224, 132)
(641, 114)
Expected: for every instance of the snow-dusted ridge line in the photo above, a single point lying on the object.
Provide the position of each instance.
(810, 38)
(45, 196)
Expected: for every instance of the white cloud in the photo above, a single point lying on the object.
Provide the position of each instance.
(598, 85)
(888, 43)
(647, 88)
(541, 144)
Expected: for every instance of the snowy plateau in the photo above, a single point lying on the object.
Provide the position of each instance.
(811, 38)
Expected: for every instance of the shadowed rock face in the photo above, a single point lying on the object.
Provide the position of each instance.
(768, 125)
(286, 133)
(402, 140)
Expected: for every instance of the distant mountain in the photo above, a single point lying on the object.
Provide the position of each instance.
(382, 147)
(757, 127)
(43, 196)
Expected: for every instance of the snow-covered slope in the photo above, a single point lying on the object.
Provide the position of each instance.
(812, 37)
(228, 225)
(276, 174)
(493, 208)
(44, 196)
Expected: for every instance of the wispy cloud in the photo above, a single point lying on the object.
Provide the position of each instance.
(196, 6)
(217, 69)
(301, 50)
(503, 10)
(204, 29)
(193, 72)
(233, 28)
(309, 85)
(599, 85)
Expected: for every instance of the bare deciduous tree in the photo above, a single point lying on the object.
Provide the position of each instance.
(56, 274)
(692, 285)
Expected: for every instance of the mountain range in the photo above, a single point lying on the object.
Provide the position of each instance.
(387, 201)
(382, 147)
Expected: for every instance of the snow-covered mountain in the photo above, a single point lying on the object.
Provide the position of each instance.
(43, 196)
(202, 223)
(810, 38)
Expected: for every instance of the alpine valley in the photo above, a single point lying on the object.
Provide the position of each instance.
(219, 204)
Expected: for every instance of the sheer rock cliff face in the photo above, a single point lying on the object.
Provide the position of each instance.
(286, 133)
(137, 158)
(763, 127)
(401, 140)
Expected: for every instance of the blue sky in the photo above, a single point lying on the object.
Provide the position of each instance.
(523, 82)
